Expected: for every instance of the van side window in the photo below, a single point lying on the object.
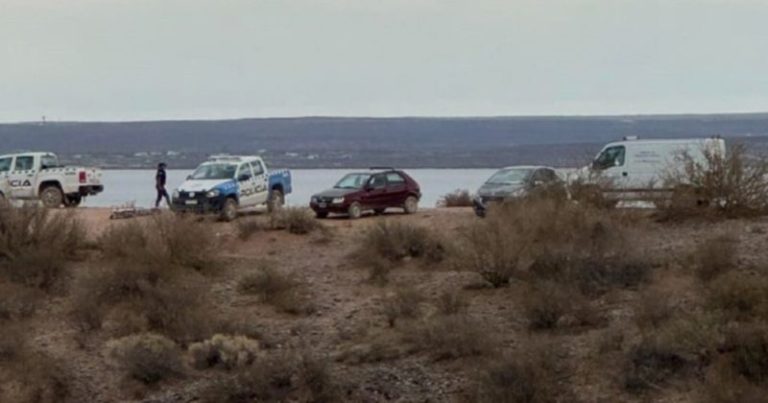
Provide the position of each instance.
(5, 164)
(610, 157)
(25, 163)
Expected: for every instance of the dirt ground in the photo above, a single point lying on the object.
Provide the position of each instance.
(347, 324)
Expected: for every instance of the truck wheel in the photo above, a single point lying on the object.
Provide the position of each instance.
(73, 201)
(52, 197)
(411, 205)
(354, 211)
(229, 210)
(276, 201)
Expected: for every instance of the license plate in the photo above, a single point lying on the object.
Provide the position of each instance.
(322, 205)
(191, 202)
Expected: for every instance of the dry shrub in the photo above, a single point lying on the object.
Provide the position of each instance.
(730, 185)
(224, 351)
(296, 220)
(405, 303)
(247, 227)
(724, 385)
(530, 376)
(448, 337)
(747, 347)
(653, 309)
(458, 198)
(127, 297)
(395, 241)
(297, 377)
(452, 303)
(164, 239)
(17, 302)
(11, 342)
(550, 305)
(379, 269)
(38, 377)
(740, 296)
(652, 363)
(716, 256)
(35, 245)
(518, 235)
(147, 357)
(278, 289)
(592, 275)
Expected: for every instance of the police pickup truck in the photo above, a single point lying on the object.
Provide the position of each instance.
(226, 185)
(39, 176)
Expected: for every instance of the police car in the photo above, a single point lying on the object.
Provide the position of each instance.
(227, 184)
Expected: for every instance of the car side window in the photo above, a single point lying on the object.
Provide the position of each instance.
(258, 169)
(245, 169)
(545, 175)
(5, 164)
(394, 179)
(610, 157)
(378, 181)
(24, 163)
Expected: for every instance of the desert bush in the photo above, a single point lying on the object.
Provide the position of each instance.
(747, 347)
(224, 351)
(11, 342)
(141, 298)
(715, 256)
(17, 302)
(125, 240)
(457, 198)
(280, 290)
(731, 185)
(592, 275)
(740, 296)
(652, 363)
(147, 357)
(405, 303)
(653, 309)
(548, 305)
(379, 269)
(39, 378)
(296, 220)
(448, 337)
(396, 241)
(451, 303)
(724, 385)
(522, 233)
(247, 227)
(530, 376)
(35, 245)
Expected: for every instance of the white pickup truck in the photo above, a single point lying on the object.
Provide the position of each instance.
(39, 176)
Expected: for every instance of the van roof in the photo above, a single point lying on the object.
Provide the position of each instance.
(666, 141)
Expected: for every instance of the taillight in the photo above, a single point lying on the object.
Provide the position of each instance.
(83, 177)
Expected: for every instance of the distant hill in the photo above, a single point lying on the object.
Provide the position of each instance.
(318, 142)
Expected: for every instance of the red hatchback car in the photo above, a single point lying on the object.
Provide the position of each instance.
(375, 191)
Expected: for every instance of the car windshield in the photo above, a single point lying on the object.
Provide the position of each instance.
(215, 171)
(353, 181)
(509, 176)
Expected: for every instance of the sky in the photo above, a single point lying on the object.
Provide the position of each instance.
(191, 59)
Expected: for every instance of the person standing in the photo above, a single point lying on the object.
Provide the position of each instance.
(160, 179)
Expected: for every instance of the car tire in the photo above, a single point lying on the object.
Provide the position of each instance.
(229, 210)
(411, 205)
(354, 211)
(276, 201)
(52, 197)
(321, 214)
(379, 211)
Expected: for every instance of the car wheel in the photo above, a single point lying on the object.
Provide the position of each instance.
(411, 205)
(229, 210)
(379, 211)
(276, 201)
(354, 211)
(52, 197)
(321, 214)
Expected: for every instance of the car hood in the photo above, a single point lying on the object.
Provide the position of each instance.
(501, 189)
(336, 192)
(205, 185)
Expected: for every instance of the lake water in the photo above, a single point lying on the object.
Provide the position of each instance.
(137, 186)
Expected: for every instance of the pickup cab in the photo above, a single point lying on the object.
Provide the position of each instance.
(39, 176)
(226, 185)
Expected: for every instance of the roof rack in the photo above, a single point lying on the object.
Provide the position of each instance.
(630, 138)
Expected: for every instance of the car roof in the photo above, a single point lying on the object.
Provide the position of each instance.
(233, 158)
(529, 167)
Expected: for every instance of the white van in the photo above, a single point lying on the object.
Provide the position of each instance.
(635, 167)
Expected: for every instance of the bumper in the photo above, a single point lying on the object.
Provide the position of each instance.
(199, 205)
(90, 190)
(340, 208)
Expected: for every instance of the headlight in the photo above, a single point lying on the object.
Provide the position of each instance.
(338, 200)
(176, 194)
(213, 193)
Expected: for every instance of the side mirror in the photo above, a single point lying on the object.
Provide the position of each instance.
(616, 163)
(243, 177)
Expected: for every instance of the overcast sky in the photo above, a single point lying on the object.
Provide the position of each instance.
(177, 59)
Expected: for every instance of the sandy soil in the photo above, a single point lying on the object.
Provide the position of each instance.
(348, 319)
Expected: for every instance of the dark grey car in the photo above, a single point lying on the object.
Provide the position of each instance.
(514, 182)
